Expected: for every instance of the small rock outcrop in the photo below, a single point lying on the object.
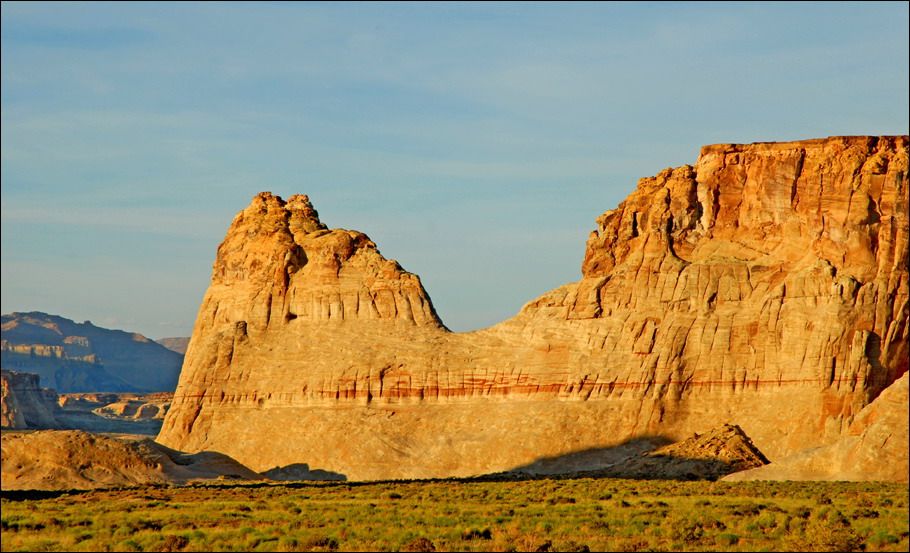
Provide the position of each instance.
(766, 286)
(875, 447)
(150, 406)
(25, 404)
(73, 459)
(708, 456)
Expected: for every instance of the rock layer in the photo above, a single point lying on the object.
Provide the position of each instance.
(765, 286)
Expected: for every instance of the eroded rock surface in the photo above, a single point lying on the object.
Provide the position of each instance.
(25, 404)
(72, 459)
(875, 447)
(766, 286)
(136, 407)
(122, 412)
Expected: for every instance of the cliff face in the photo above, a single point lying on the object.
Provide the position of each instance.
(24, 403)
(766, 286)
(81, 357)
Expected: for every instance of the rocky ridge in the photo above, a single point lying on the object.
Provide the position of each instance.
(24, 404)
(81, 357)
(765, 286)
(177, 344)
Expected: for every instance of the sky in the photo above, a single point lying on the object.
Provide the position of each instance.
(474, 143)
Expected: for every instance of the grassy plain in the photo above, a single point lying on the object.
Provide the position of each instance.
(533, 515)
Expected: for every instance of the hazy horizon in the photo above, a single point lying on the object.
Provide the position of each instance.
(474, 143)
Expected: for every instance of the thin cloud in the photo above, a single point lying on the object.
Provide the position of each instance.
(149, 221)
(105, 38)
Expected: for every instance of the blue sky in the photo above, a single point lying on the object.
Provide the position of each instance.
(474, 143)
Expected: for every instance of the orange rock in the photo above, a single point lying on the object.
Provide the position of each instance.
(73, 459)
(766, 287)
(875, 447)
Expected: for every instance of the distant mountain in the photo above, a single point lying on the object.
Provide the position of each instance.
(178, 344)
(81, 357)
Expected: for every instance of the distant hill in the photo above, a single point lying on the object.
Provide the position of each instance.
(178, 344)
(81, 357)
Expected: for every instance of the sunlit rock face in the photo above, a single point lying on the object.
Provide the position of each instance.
(875, 447)
(766, 286)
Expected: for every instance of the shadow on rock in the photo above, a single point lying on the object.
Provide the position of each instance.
(709, 456)
(586, 460)
(302, 471)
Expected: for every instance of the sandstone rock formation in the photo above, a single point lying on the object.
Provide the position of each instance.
(87, 401)
(137, 407)
(121, 412)
(72, 459)
(25, 404)
(81, 357)
(766, 286)
(875, 447)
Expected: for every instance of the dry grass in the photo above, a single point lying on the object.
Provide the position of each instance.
(534, 515)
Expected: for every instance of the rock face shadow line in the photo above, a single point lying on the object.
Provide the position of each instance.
(635, 459)
(584, 460)
(302, 471)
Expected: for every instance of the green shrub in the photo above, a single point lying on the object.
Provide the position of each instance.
(419, 544)
(320, 543)
(883, 538)
(475, 534)
(174, 542)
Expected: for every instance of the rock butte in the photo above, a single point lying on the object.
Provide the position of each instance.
(766, 286)
(25, 404)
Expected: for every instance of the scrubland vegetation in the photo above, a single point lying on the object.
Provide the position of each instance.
(534, 515)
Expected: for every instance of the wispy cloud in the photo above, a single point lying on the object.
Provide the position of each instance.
(148, 221)
(69, 38)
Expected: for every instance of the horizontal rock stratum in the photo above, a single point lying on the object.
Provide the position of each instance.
(766, 286)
